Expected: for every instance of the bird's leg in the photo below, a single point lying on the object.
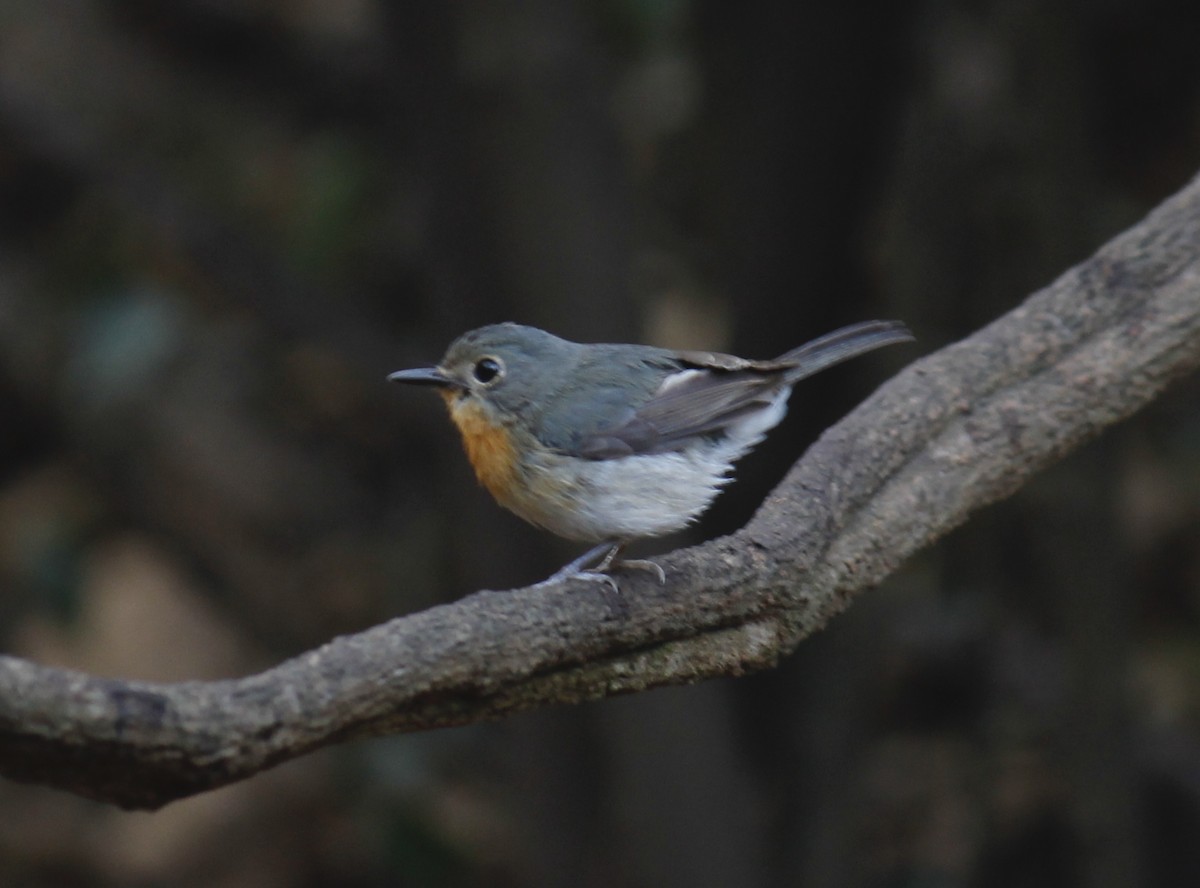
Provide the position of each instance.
(604, 557)
(613, 561)
(577, 569)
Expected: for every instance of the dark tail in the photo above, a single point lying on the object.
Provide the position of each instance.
(842, 345)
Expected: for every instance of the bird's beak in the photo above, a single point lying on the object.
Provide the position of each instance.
(423, 376)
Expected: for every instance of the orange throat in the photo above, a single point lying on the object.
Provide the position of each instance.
(489, 446)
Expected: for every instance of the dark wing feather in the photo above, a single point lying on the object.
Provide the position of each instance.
(703, 404)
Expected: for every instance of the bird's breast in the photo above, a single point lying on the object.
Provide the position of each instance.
(488, 444)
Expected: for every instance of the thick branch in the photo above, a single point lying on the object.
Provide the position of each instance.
(956, 430)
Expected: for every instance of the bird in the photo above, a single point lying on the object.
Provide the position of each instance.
(610, 443)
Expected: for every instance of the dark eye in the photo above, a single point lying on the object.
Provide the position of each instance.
(487, 370)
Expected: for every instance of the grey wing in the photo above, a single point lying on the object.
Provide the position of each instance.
(694, 403)
(707, 394)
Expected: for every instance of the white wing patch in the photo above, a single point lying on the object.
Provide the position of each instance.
(676, 379)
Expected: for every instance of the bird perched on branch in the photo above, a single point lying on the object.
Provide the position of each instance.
(608, 443)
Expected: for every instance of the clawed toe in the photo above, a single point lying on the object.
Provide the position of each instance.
(595, 576)
(643, 564)
(610, 591)
(603, 566)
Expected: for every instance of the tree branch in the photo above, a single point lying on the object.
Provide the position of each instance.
(956, 430)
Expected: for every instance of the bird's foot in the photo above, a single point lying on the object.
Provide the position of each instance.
(603, 559)
(641, 564)
(578, 569)
(614, 561)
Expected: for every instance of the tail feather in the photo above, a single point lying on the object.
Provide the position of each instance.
(842, 345)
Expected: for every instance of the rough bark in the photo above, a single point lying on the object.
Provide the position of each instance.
(956, 430)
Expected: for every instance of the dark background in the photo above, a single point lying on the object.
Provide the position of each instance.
(223, 223)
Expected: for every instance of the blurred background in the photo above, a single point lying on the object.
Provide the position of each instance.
(222, 223)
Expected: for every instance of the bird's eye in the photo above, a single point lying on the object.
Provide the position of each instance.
(488, 370)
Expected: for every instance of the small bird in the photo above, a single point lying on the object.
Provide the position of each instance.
(607, 443)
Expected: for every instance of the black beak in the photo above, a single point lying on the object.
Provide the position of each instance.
(423, 376)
